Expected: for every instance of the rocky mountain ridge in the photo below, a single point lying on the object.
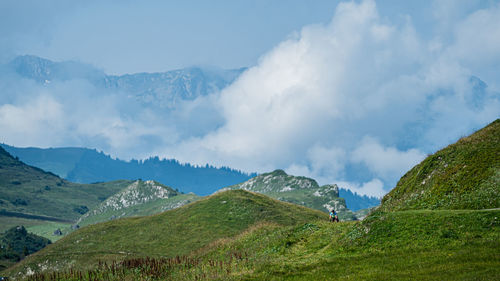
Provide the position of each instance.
(299, 190)
(137, 193)
(161, 89)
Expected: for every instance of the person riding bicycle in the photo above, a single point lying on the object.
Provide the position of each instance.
(333, 216)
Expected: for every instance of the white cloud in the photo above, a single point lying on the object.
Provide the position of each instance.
(41, 119)
(389, 163)
(477, 39)
(325, 165)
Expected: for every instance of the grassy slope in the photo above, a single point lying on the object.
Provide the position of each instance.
(410, 245)
(47, 230)
(403, 245)
(9, 222)
(464, 175)
(30, 190)
(175, 232)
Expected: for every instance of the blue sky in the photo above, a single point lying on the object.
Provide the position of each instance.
(147, 36)
(349, 92)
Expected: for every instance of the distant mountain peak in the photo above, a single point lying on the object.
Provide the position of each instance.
(31, 61)
(278, 172)
(278, 181)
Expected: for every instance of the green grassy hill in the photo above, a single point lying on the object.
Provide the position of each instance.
(175, 232)
(140, 198)
(464, 175)
(403, 245)
(31, 191)
(298, 190)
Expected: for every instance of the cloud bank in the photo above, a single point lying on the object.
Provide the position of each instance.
(359, 95)
(357, 101)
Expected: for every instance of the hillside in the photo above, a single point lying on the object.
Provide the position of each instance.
(464, 175)
(405, 245)
(84, 165)
(140, 198)
(172, 233)
(410, 245)
(29, 191)
(298, 190)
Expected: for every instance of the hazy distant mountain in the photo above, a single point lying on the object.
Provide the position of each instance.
(163, 89)
(356, 202)
(44, 70)
(84, 165)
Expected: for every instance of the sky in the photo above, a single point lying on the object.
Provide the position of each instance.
(348, 92)
(148, 36)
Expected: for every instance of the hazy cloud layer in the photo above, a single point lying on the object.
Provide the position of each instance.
(357, 102)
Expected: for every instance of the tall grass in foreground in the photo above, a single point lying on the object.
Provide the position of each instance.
(176, 268)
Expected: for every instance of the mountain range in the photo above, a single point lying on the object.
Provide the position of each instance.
(161, 89)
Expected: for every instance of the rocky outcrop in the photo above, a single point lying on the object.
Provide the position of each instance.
(298, 190)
